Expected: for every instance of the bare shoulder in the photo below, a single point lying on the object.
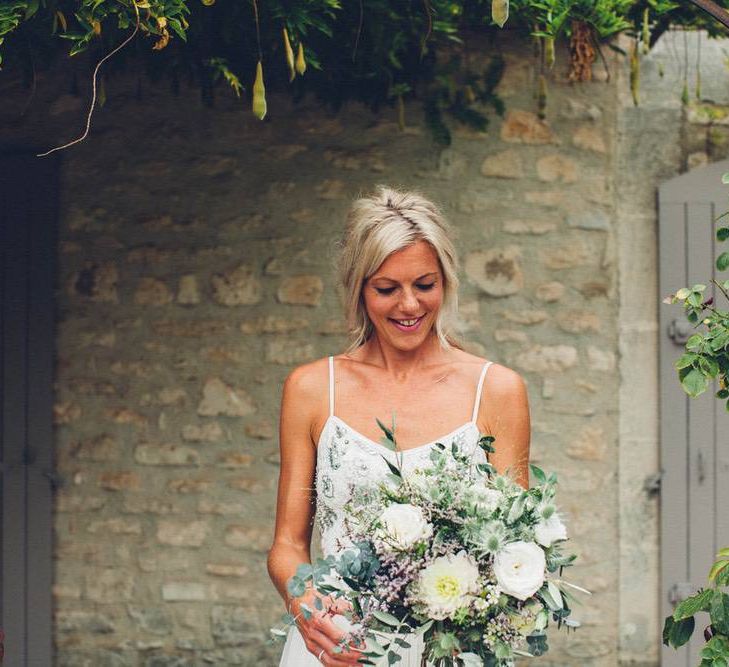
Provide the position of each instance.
(504, 382)
(306, 384)
(501, 382)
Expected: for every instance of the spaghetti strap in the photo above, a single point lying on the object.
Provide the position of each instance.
(477, 402)
(331, 386)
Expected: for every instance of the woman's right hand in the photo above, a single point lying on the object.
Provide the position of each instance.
(321, 635)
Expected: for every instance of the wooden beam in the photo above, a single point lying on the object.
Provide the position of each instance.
(709, 6)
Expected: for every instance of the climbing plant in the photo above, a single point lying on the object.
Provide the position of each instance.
(378, 52)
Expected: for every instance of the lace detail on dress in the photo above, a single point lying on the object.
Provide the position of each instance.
(348, 464)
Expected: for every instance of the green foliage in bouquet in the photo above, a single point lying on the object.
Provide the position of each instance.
(706, 359)
(449, 526)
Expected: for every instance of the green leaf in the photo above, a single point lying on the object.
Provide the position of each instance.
(555, 593)
(694, 342)
(722, 261)
(538, 473)
(683, 293)
(686, 360)
(725, 178)
(393, 469)
(681, 632)
(386, 618)
(694, 604)
(720, 612)
(694, 383)
(722, 234)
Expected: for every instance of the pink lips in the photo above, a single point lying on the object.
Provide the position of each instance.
(415, 326)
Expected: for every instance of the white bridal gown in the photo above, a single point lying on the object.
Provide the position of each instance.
(346, 459)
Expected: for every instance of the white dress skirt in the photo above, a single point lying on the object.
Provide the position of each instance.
(346, 459)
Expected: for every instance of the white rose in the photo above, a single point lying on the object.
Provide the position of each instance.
(519, 569)
(550, 531)
(404, 525)
(447, 584)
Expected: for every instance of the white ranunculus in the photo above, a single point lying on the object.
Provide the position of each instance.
(404, 525)
(447, 584)
(519, 569)
(549, 531)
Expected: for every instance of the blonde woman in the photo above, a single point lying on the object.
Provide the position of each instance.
(399, 273)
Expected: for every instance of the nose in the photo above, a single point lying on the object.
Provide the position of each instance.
(409, 303)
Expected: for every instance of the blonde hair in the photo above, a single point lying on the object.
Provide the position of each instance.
(378, 225)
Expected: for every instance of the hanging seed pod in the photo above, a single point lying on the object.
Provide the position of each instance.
(549, 52)
(635, 73)
(259, 93)
(542, 97)
(698, 84)
(646, 31)
(400, 113)
(661, 70)
(300, 62)
(101, 98)
(289, 55)
(469, 95)
(685, 93)
(500, 12)
(62, 20)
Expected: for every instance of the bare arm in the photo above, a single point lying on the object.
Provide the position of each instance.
(294, 505)
(505, 412)
(294, 519)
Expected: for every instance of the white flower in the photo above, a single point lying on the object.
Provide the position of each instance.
(447, 584)
(519, 569)
(550, 530)
(404, 525)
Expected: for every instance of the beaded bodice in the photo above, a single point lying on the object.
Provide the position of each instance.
(348, 461)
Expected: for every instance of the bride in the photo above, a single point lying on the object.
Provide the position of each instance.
(398, 269)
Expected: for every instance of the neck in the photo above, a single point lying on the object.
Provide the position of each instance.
(403, 364)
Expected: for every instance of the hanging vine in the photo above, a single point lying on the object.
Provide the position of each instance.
(400, 51)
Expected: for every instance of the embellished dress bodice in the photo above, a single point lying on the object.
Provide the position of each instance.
(348, 461)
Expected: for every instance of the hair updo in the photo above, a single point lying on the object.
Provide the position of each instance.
(378, 225)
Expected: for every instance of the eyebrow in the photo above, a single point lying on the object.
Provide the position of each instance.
(392, 280)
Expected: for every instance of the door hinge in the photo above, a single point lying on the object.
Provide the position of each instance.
(679, 331)
(680, 591)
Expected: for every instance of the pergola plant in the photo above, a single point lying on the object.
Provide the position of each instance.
(706, 361)
(379, 52)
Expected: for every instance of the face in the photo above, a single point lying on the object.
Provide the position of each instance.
(407, 286)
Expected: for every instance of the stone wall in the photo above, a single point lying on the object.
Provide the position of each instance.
(195, 273)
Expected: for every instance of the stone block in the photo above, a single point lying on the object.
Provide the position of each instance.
(506, 164)
(182, 533)
(301, 290)
(152, 292)
(496, 271)
(166, 454)
(236, 287)
(526, 128)
(220, 398)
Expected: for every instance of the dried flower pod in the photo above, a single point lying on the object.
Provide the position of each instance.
(635, 73)
(300, 62)
(542, 97)
(549, 52)
(500, 12)
(289, 55)
(646, 31)
(259, 93)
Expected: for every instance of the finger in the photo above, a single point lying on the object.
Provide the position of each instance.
(324, 641)
(335, 635)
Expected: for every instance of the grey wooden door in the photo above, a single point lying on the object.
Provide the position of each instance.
(28, 213)
(694, 432)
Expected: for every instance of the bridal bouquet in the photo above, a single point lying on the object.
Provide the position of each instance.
(453, 552)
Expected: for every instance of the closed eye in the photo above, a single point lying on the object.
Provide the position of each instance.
(390, 290)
